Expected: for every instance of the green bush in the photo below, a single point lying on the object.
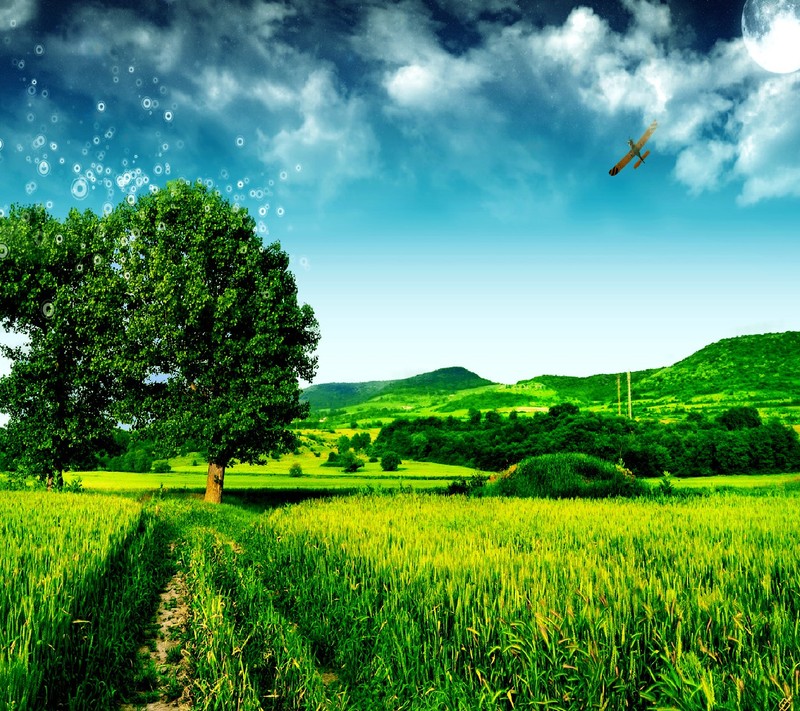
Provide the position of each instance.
(569, 475)
(295, 470)
(350, 462)
(390, 461)
(160, 466)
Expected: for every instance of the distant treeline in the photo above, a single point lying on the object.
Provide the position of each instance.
(736, 442)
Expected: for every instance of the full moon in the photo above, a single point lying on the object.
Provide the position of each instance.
(771, 31)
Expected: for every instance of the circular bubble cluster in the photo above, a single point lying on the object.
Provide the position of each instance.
(3, 250)
(48, 309)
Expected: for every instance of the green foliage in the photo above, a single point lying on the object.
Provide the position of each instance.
(59, 292)
(694, 447)
(160, 466)
(343, 444)
(740, 418)
(360, 441)
(474, 486)
(296, 470)
(350, 462)
(565, 408)
(214, 340)
(390, 461)
(569, 476)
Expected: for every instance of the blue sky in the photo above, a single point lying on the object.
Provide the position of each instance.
(438, 171)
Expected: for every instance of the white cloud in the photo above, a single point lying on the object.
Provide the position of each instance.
(16, 13)
(334, 141)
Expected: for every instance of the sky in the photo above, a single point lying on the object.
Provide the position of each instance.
(437, 170)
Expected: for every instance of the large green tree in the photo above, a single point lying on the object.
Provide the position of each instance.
(214, 334)
(57, 290)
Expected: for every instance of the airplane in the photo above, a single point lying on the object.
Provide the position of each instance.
(636, 150)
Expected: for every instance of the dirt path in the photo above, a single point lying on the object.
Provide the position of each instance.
(164, 683)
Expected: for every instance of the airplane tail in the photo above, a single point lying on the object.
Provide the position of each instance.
(639, 162)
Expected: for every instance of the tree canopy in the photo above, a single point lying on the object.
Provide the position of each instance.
(214, 336)
(168, 315)
(56, 292)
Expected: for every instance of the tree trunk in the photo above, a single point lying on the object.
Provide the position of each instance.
(214, 483)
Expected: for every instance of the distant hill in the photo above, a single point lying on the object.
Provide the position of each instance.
(761, 370)
(766, 367)
(340, 395)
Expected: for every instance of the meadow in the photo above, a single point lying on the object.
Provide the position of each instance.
(412, 601)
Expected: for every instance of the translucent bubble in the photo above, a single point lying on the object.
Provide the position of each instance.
(126, 275)
(179, 143)
(298, 167)
(80, 188)
(53, 146)
(38, 50)
(59, 239)
(98, 260)
(48, 310)
(20, 63)
(262, 211)
(279, 212)
(76, 168)
(62, 160)
(158, 168)
(3, 251)
(31, 117)
(304, 262)
(284, 175)
(110, 133)
(131, 69)
(54, 118)
(123, 241)
(79, 268)
(162, 90)
(2, 212)
(32, 90)
(168, 116)
(44, 168)
(240, 184)
(131, 199)
(30, 188)
(161, 227)
(96, 140)
(90, 176)
(239, 141)
(138, 83)
(165, 146)
(38, 142)
(108, 208)
(101, 106)
(49, 204)
(147, 103)
(45, 93)
(1, 144)
(153, 189)
(115, 80)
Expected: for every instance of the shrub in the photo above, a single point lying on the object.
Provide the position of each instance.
(350, 462)
(570, 475)
(295, 470)
(160, 466)
(390, 461)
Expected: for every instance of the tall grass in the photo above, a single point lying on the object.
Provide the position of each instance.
(79, 574)
(424, 603)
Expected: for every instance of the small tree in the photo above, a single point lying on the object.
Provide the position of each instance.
(740, 418)
(215, 339)
(390, 462)
(295, 470)
(343, 444)
(350, 462)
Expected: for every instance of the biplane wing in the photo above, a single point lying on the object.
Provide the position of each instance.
(636, 150)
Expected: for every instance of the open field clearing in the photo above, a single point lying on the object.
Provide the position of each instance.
(77, 573)
(275, 475)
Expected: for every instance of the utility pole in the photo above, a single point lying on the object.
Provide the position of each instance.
(630, 414)
(619, 397)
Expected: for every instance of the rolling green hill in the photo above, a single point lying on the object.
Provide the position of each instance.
(760, 370)
(340, 395)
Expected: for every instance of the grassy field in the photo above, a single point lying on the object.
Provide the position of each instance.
(78, 575)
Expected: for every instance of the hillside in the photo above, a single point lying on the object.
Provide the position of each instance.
(761, 370)
(444, 380)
